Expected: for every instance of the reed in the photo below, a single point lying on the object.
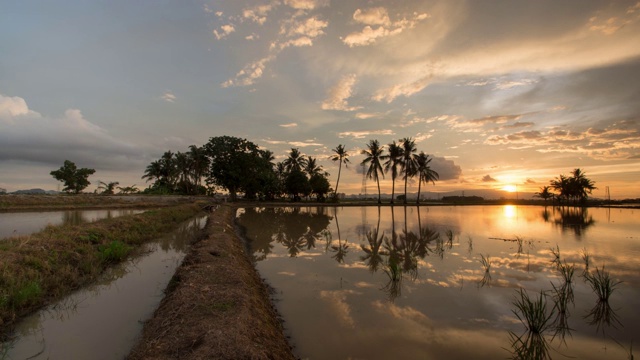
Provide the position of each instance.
(533, 314)
(601, 283)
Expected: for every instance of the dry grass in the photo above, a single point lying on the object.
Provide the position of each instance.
(216, 306)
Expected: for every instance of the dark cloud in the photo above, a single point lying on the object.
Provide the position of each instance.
(447, 169)
(488, 178)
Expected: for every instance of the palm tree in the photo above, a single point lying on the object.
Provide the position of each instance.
(153, 171)
(545, 193)
(108, 187)
(424, 172)
(340, 155)
(409, 166)
(200, 165)
(295, 161)
(561, 184)
(183, 166)
(582, 186)
(373, 157)
(311, 167)
(394, 159)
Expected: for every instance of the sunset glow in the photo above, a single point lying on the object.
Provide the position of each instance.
(504, 96)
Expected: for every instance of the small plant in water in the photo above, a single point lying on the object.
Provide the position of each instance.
(586, 259)
(486, 264)
(533, 314)
(601, 283)
(115, 251)
(556, 256)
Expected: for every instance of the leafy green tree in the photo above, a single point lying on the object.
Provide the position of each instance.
(108, 188)
(424, 171)
(394, 161)
(75, 180)
(374, 156)
(236, 165)
(342, 156)
(409, 165)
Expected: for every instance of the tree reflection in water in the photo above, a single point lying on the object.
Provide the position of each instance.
(569, 218)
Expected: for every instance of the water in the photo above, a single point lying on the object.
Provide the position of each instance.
(103, 321)
(25, 223)
(380, 283)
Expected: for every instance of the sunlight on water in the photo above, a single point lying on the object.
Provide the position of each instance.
(442, 282)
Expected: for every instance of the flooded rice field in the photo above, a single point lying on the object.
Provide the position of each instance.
(452, 282)
(25, 223)
(104, 320)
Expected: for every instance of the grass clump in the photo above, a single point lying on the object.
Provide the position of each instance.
(601, 283)
(60, 259)
(533, 314)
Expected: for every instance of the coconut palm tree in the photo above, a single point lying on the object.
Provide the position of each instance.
(424, 172)
(582, 186)
(295, 161)
(107, 188)
(394, 160)
(153, 171)
(409, 166)
(373, 157)
(311, 167)
(199, 165)
(545, 193)
(342, 156)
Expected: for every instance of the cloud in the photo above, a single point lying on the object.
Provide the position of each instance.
(300, 32)
(488, 178)
(298, 144)
(406, 89)
(373, 16)
(364, 116)
(225, 30)
(363, 134)
(29, 136)
(288, 125)
(257, 14)
(446, 169)
(249, 74)
(617, 140)
(338, 95)
(306, 4)
(379, 17)
(168, 97)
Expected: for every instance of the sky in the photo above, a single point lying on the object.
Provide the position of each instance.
(502, 94)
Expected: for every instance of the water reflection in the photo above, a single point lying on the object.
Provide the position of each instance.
(104, 320)
(383, 267)
(25, 223)
(569, 218)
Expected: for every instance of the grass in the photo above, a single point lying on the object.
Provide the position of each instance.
(52, 263)
(533, 314)
(601, 283)
(486, 264)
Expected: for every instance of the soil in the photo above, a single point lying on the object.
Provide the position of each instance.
(216, 306)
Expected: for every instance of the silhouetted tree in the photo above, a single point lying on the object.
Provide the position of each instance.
(373, 157)
(394, 161)
(424, 172)
(409, 166)
(75, 180)
(342, 156)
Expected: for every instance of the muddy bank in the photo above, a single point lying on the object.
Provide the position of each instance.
(216, 306)
(91, 201)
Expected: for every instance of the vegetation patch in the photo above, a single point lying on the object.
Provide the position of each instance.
(38, 269)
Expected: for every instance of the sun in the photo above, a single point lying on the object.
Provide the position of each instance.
(509, 188)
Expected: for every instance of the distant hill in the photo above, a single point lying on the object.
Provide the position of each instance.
(35, 192)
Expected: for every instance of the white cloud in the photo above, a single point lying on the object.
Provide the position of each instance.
(363, 134)
(249, 74)
(225, 30)
(288, 125)
(13, 106)
(373, 16)
(306, 4)
(168, 97)
(257, 14)
(406, 89)
(367, 36)
(338, 95)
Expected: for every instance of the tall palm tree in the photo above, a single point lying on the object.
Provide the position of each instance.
(183, 166)
(545, 193)
(373, 157)
(342, 156)
(409, 166)
(582, 186)
(153, 171)
(295, 161)
(394, 160)
(424, 171)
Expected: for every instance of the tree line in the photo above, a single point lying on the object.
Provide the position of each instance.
(574, 188)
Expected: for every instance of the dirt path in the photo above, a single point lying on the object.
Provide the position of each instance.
(216, 306)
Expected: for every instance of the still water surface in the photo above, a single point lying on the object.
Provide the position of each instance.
(25, 223)
(103, 321)
(410, 283)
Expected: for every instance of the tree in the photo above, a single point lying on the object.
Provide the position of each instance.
(297, 184)
(409, 166)
(107, 188)
(295, 161)
(128, 189)
(199, 166)
(75, 180)
(394, 160)
(312, 167)
(545, 193)
(236, 165)
(373, 157)
(342, 156)
(320, 186)
(424, 172)
(577, 187)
